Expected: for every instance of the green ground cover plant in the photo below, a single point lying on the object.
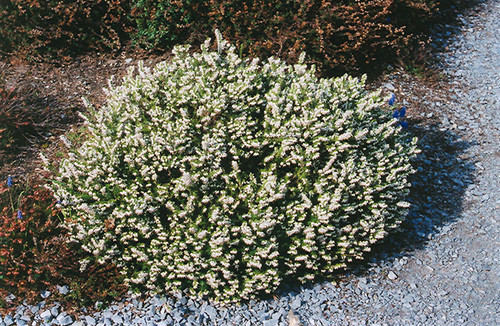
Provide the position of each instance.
(226, 177)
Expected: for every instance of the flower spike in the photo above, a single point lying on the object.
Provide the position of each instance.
(402, 112)
(392, 100)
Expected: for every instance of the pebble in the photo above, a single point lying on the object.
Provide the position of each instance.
(54, 311)
(9, 298)
(63, 289)
(117, 319)
(45, 294)
(64, 319)
(90, 320)
(8, 320)
(392, 276)
(46, 314)
(389, 86)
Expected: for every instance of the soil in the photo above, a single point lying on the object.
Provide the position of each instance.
(56, 89)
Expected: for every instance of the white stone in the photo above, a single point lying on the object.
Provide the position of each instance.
(392, 276)
(293, 320)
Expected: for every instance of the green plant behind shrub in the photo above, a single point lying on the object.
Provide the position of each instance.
(162, 23)
(339, 36)
(225, 177)
(39, 29)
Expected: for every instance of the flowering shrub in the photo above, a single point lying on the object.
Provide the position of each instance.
(224, 177)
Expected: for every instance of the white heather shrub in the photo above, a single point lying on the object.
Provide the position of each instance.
(218, 176)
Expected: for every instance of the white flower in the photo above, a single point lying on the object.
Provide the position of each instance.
(279, 158)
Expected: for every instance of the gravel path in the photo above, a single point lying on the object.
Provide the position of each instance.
(441, 269)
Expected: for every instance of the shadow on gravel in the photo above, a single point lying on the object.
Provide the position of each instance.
(436, 195)
(449, 23)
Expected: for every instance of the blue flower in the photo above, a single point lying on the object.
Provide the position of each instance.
(402, 112)
(9, 182)
(399, 115)
(19, 214)
(392, 100)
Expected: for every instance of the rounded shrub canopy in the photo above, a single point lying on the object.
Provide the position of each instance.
(224, 177)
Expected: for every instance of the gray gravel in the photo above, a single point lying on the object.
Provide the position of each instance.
(441, 269)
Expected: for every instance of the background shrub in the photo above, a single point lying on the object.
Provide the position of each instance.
(339, 36)
(35, 28)
(224, 177)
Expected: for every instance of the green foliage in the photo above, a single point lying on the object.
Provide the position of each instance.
(225, 177)
(34, 28)
(164, 23)
(339, 36)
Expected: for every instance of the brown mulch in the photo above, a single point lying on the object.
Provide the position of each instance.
(57, 89)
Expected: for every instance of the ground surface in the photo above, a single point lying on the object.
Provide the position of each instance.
(441, 269)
